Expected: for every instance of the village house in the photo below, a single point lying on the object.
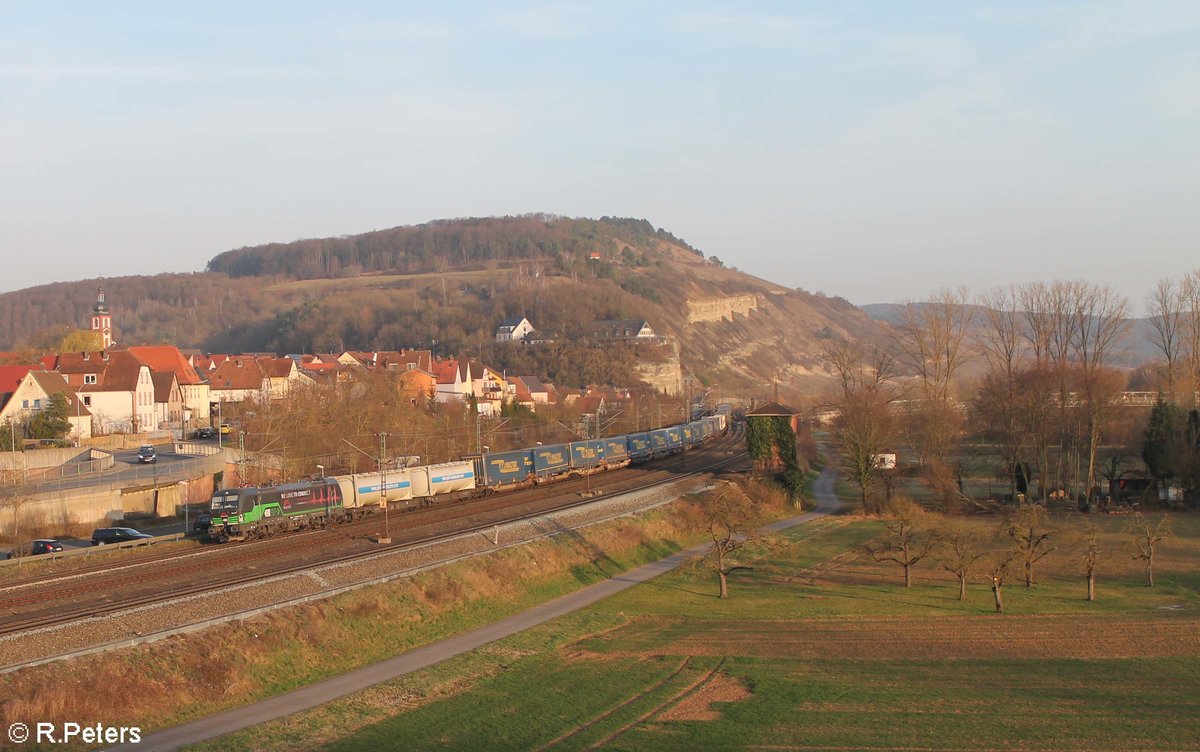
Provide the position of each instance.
(26, 391)
(114, 385)
(622, 330)
(514, 329)
(193, 388)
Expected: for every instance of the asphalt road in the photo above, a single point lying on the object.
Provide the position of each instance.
(327, 691)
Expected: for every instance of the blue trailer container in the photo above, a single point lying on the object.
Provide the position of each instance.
(689, 436)
(640, 446)
(587, 454)
(616, 449)
(674, 438)
(504, 468)
(551, 460)
(660, 441)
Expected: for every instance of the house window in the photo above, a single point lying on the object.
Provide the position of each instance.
(24, 404)
(89, 378)
(87, 400)
(37, 404)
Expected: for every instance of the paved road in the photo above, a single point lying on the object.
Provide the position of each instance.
(328, 690)
(126, 471)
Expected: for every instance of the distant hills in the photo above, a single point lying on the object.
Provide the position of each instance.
(447, 284)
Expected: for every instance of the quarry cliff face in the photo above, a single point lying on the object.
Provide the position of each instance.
(716, 309)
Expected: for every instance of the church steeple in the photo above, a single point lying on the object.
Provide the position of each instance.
(102, 318)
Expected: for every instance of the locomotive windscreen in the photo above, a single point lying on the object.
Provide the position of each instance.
(225, 502)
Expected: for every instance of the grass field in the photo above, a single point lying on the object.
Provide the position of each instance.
(817, 649)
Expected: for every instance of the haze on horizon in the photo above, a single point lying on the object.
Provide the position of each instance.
(872, 151)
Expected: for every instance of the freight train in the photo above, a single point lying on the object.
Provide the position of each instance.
(260, 511)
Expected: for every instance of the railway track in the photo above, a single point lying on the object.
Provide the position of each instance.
(420, 526)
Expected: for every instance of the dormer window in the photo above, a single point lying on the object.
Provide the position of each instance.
(89, 378)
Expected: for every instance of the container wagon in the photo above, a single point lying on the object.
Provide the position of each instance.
(443, 478)
(503, 469)
(587, 454)
(551, 460)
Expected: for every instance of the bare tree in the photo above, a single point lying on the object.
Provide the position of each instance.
(906, 540)
(999, 337)
(864, 425)
(1165, 306)
(959, 552)
(1146, 539)
(730, 519)
(1189, 294)
(998, 570)
(1101, 321)
(1091, 558)
(1030, 531)
(934, 340)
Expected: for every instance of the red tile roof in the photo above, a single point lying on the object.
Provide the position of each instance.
(164, 358)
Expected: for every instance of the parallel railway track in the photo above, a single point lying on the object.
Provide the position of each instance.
(419, 526)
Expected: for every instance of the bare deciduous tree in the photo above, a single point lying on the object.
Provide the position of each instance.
(906, 540)
(1030, 531)
(1146, 539)
(1164, 304)
(934, 340)
(959, 552)
(998, 570)
(1091, 558)
(864, 426)
(730, 519)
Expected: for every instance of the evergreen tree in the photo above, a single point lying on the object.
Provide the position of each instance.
(1162, 440)
(52, 422)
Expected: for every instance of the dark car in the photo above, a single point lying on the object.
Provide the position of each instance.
(202, 524)
(103, 535)
(205, 433)
(146, 454)
(33, 548)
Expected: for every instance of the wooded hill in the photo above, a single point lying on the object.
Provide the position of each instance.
(447, 284)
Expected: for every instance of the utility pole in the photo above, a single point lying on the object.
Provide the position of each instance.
(387, 535)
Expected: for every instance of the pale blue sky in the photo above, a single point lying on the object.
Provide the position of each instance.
(876, 151)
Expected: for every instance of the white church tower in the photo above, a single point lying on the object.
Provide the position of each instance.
(102, 319)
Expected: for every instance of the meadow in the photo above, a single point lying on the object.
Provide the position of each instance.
(820, 648)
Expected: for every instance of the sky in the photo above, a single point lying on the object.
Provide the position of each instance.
(878, 151)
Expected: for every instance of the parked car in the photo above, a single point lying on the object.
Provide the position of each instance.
(33, 548)
(103, 535)
(146, 454)
(226, 429)
(205, 432)
(202, 524)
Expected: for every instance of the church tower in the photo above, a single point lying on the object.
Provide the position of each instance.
(102, 319)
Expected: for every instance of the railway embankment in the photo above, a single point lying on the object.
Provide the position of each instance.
(263, 639)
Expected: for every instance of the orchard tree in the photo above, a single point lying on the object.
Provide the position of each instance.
(1091, 558)
(731, 520)
(959, 552)
(907, 539)
(1146, 539)
(1029, 529)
